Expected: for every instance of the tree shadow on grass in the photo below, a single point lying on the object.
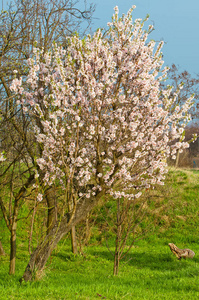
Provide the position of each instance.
(156, 261)
(66, 256)
(153, 261)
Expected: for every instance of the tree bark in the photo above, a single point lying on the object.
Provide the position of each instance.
(2, 252)
(41, 254)
(73, 240)
(177, 159)
(13, 237)
(116, 263)
(73, 232)
(117, 241)
(52, 209)
(13, 249)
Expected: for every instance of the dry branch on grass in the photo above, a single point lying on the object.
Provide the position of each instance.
(181, 253)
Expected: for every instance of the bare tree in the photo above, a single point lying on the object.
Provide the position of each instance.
(190, 85)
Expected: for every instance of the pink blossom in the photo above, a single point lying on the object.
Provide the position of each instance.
(39, 197)
(104, 119)
(2, 157)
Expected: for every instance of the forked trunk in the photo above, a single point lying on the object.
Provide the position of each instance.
(12, 222)
(41, 254)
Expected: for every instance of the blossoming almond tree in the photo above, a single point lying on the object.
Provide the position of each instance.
(103, 121)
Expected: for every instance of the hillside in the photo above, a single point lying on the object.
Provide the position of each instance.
(150, 271)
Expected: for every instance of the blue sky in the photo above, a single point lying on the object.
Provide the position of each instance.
(175, 21)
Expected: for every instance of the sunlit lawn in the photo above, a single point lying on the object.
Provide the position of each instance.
(152, 273)
(149, 272)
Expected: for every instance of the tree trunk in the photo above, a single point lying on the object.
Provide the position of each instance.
(73, 240)
(41, 254)
(13, 236)
(177, 158)
(2, 252)
(116, 263)
(73, 231)
(12, 222)
(52, 209)
(117, 241)
(13, 248)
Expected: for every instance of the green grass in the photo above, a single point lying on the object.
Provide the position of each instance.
(149, 272)
(153, 273)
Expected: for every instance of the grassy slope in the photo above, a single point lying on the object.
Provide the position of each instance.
(151, 273)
